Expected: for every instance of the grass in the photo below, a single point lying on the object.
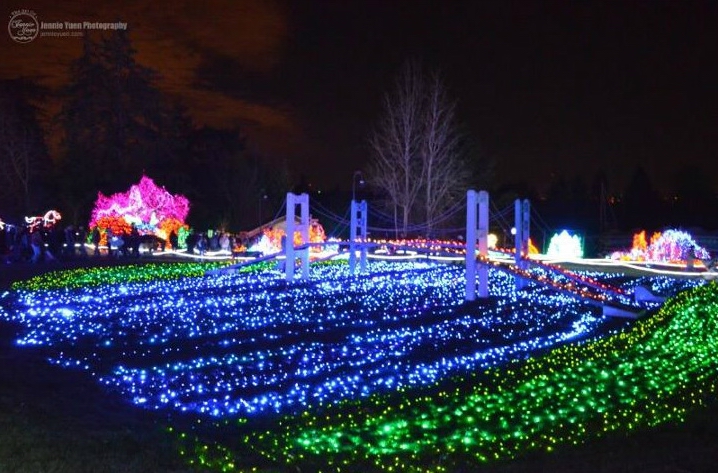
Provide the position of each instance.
(57, 421)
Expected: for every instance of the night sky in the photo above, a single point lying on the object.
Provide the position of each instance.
(545, 88)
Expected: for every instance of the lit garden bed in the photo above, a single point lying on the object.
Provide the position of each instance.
(402, 371)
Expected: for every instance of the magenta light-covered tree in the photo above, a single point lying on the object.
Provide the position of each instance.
(151, 209)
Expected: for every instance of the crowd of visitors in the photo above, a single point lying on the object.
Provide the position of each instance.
(213, 241)
(52, 243)
(42, 243)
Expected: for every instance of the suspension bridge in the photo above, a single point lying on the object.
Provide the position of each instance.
(474, 251)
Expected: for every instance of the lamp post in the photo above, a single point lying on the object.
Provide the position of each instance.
(354, 181)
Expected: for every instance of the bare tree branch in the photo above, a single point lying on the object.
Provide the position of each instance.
(416, 148)
(443, 170)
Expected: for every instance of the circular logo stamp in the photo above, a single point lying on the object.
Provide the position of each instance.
(23, 26)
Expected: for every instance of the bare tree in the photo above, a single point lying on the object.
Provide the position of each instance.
(386, 177)
(444, 173)
(416, 148)
(396, 142)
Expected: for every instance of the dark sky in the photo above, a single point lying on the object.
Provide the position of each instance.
(544, 87)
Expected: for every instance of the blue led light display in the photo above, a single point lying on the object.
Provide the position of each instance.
(249, 343)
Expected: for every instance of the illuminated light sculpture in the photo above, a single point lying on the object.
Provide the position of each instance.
(525, 229)
(639, 241)
(302, 200)
(565, 246)
(676, 246)
(50, 218)
(518, 239)
(522, 219)
(265, 244)
(357, 235)
(271, 239)
(493, 241)
(533, 249)
(671, 246)
(151, 209)
(476, 235)
(115, 225)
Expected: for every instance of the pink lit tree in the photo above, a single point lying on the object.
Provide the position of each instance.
(148, 207)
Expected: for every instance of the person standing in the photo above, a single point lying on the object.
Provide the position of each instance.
(82, 238)
(174, 241)
(224, 242)
(70, 241)
(53, 239)
(110, 236)
(96, 237)
(36, 242)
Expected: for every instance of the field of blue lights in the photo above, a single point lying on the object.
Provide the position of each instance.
(246, 346)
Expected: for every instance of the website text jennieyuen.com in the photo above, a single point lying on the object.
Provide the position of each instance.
(61, 34)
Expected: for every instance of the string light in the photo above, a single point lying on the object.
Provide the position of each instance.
(379, 329)
(671, 246)
(566, 246)
(50, 218)
(150, 208)
(390, 369)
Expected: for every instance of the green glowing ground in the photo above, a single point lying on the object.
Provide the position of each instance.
(94, 276)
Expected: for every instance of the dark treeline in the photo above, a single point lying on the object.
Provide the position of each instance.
(586, 207)
(115, 125)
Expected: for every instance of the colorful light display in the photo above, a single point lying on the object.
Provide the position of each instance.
(389, 328)
(649, 375)
(671, 246)
(563, 245)
(50, 218)
(533, 249)
(408, 376)
(151, 209)
(115, 275)
(271, 239)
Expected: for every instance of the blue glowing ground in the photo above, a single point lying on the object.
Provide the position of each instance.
(247, 344)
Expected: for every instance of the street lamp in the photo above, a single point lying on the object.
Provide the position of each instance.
(354, 181)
